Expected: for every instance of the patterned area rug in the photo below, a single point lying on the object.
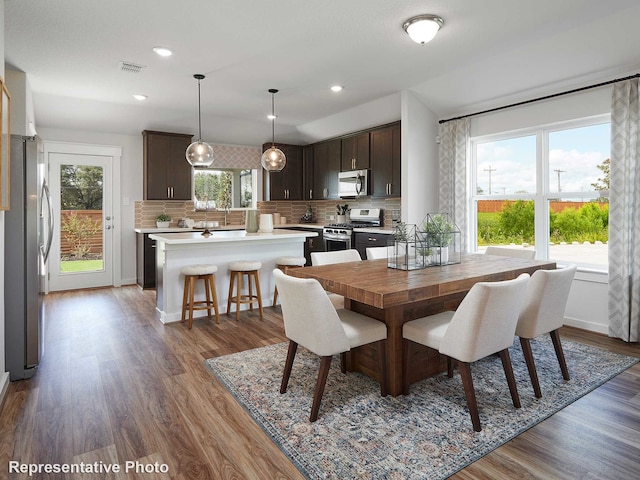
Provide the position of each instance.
(427, 434)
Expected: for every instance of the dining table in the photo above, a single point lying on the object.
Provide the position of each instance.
(396, 296)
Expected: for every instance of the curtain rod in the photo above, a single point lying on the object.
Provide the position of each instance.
(575, 90)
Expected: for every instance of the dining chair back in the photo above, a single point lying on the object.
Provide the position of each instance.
(375, 253)
(311, 320)
(543, 312)
(484, 324)
(510, 252)
(338, 256)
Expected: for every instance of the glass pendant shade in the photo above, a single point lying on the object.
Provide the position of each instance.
(273, 159)
(423, 28)
(200, 154)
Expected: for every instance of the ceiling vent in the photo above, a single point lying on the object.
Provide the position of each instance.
(130, 67)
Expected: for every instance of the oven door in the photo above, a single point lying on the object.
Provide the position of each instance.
(332, 244)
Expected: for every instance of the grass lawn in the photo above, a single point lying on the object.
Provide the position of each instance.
(69, 266)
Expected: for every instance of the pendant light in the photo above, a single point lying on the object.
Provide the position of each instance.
(273, 159)
(199, 154)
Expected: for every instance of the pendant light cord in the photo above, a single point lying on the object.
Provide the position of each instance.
(273, 121)
(199, 115)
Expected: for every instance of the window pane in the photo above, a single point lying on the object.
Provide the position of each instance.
(579, 231)
(579, 159)
(505, 222)
(505, 167)
(223, 189)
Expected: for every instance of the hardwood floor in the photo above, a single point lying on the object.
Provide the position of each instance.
(115, 385)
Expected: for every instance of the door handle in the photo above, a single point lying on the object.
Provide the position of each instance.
(107, 227)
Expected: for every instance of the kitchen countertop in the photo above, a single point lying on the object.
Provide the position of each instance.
(315, 226)
(235, 236)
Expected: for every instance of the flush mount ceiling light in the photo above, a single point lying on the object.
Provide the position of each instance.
(139, 96)
(273, 159)
(199, 154)
(423, 28)
(162, 51)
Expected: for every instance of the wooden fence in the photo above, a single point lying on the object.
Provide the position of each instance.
(495, 206)
(95, 242)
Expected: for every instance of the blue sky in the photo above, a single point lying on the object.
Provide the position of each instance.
(575, 152)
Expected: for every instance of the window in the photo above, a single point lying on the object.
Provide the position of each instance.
(224, 188)
(544, 188)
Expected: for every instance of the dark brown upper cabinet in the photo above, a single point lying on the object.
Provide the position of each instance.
(355, 152)
(326, 165)
(286, 184)
(385, 161)
(166, 173)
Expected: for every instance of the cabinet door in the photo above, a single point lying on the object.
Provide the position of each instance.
(364, 240)
(385, 162)
(326, 166)
(307, 172)
(167, 174)
(179, 172)
(355, 152)
(287, 183)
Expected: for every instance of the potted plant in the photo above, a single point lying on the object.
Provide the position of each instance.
(163, 220)
(439, 231)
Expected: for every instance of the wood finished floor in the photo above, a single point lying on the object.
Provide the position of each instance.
(116, 385)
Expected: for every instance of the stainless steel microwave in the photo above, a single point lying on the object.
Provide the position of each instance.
(354, 183)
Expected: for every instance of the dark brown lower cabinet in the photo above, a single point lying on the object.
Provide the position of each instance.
(146, 260)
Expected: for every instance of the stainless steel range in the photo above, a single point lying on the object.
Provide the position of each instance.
(339, 236)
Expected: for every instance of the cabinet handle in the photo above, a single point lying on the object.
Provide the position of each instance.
(390, 188)
(310, 194)
(311, 242)
(373, 239)
(325, 192)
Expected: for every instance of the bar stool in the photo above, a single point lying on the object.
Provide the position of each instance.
(284, 264)
(236, 271)
(192, 273)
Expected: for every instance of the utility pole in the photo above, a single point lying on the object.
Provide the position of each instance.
(489, 170)
(559, 172)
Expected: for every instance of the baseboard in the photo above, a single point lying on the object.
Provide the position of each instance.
(4, 386)
(128, 281)
(584, 325)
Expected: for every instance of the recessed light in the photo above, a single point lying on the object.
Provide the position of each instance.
(271, 116)
(139, 96)
(162, 51)
(336, 88)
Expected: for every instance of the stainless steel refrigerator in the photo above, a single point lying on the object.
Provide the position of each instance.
(28, 233)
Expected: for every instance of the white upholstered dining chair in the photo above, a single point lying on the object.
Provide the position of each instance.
(311, 320)
(375, 253)
(510, 252)
(543, 312)
(329, 258)
(483, 324)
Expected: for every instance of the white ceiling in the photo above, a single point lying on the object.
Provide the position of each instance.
(488, 53)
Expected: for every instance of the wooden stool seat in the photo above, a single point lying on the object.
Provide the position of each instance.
(284, 264)
(193, 273)
(236, 272)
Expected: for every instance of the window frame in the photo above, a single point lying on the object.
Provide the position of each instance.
(543, 194)
(236, 172)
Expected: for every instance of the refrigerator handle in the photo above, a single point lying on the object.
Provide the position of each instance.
(46, 195)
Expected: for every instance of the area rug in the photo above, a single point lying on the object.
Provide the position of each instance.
(425, 435)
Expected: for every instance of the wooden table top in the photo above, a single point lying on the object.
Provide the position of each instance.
(371, 282)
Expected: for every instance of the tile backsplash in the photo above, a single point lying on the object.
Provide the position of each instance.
(323, 210)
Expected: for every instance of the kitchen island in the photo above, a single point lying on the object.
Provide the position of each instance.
(176, 250)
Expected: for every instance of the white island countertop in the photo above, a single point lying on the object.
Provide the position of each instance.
(228, 236)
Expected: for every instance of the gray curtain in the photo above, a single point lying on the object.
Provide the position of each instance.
(624, 213)
(454, 138)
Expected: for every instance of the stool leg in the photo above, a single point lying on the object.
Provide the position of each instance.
(192, 287)
(207, 293)
(185, 296)
(250, 291)
(212, 287)
(238, 295)
(230, 298)
(275, 296)
(256, 279)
